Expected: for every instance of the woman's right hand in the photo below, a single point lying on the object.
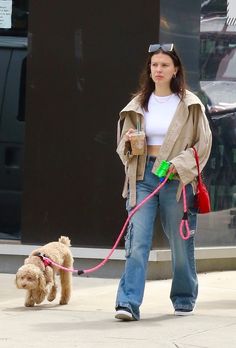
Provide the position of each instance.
(128, 134)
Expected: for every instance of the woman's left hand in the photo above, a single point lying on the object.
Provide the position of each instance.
(172, 169)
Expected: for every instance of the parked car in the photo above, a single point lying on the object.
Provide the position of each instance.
(13, 53)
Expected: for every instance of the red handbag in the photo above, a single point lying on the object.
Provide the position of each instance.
(202, 196)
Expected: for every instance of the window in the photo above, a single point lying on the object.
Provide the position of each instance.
(19, 19)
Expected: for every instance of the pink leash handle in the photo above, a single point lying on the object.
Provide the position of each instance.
(184, 221)
(102, 263)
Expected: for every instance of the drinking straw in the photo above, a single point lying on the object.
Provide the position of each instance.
(138, 124)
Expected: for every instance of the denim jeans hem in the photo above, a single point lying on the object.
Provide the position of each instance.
(177, 308)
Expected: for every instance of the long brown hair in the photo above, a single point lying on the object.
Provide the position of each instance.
(147, 86)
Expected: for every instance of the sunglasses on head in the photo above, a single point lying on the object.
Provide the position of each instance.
(167, 47)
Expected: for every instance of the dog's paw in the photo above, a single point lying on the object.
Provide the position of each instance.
(52, 293)
(51, 297)
(63, 301)
(38, 296)
(29, 303)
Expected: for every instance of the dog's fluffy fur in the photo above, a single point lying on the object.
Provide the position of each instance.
(39, 280)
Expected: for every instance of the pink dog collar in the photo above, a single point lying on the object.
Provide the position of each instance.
(45, 259)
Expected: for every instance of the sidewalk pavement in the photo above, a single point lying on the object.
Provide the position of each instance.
(88, 320)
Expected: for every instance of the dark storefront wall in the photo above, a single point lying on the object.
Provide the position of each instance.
(83, 63)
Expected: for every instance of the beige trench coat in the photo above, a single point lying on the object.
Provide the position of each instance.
(189, 127)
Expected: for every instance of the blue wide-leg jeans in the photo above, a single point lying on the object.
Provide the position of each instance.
(138, 242)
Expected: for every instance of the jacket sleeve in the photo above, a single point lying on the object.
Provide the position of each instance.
(123, 146)
(185, 162)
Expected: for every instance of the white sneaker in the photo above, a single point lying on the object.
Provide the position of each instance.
(124, 314)
(183, 312)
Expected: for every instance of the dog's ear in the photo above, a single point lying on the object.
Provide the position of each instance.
(16, 281)
(41, 282)
(41, 292)
(17, 277)
(27, 260)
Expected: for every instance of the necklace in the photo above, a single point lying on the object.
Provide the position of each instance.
(164, 99)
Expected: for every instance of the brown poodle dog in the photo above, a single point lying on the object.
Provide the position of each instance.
(38, 277)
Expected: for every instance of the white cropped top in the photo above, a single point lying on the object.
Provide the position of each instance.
(159, 116)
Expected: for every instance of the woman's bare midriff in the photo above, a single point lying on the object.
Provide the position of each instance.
(153, 150)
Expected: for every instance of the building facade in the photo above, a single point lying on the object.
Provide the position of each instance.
(66, 71)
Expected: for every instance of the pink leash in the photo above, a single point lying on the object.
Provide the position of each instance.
(184, 221)
(133, 211)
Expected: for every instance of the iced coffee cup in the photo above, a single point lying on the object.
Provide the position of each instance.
(137, 140)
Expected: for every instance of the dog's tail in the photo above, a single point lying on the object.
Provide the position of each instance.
(64, 240)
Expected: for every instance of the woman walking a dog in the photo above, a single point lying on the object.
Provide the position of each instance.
(173, 121)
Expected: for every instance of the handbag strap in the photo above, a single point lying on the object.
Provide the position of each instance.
(197, 162)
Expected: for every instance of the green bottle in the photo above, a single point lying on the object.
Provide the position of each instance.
(162, 170)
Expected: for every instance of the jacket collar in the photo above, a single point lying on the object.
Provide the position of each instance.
(191, 99)
(134, 105)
